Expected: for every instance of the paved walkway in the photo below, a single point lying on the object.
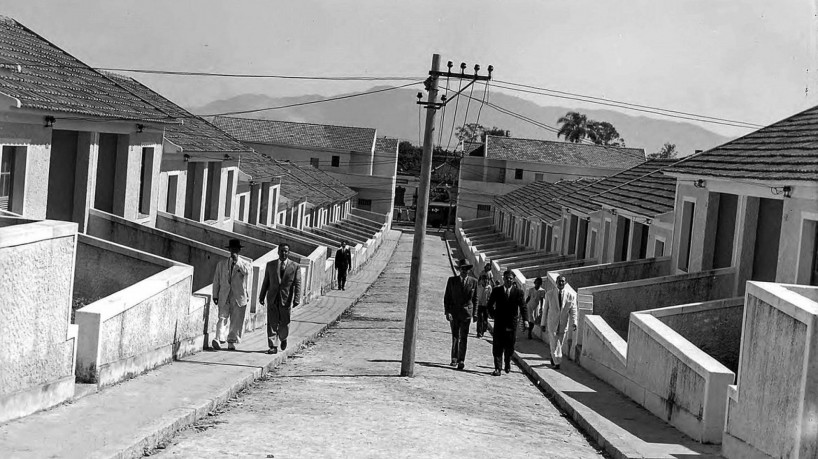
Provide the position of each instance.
(343, 397)
(127, 419)
(620, 426)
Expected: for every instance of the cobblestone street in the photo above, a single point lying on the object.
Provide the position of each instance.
(343, 396)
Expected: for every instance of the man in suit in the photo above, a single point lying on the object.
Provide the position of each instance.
(559, 312)
(506, 305)
(282, 291)
(343, 261)
(459, 302)
(231, 284)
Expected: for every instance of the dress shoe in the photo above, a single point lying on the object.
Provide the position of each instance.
(283, 344)
(453, 363)
(508, 368)
(460, 366)
(272, 350)
(556, 367)
(231, 346)
(496, 372)
(215, 345)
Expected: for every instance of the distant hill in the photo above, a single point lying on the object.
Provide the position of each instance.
(395, 114)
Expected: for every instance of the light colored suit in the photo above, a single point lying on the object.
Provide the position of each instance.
(282, 293)
(556, 319)
(231, 286)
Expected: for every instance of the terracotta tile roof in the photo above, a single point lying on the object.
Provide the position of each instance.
(473, 149)
(563, 153)
(195, 135)
(323, 136)
(297, 182)
(539, 199)
(786, 150)
(386, 145)
(43, 77)
(643, 189)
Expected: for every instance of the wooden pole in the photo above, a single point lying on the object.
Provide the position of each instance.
(407, 367)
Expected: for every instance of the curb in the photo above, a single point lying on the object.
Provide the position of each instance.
(184, 418)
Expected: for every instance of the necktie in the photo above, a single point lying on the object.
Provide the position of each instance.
(559, 295)
(283, 265)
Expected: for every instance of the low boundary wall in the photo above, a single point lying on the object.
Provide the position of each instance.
(135, 329)
(36, 273)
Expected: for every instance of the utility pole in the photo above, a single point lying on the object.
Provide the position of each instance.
(421, 214)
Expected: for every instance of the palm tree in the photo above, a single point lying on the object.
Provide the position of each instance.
(667, 151)
(574, 127)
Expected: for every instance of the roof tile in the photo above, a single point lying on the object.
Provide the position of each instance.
(298, 134)
(566, 153)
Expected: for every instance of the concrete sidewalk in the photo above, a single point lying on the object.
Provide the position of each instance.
(133, 417)
(620, 427)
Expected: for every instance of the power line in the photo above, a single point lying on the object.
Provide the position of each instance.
(627, 105)
(319, 101)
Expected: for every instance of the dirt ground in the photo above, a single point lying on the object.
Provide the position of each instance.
(343, 396)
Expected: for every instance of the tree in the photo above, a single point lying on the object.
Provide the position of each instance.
(474, 132)
(667, 151)
(409, 157)
(574, 127)
(604, 133)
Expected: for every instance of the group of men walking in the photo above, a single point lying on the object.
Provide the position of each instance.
(467, 299)
(280, 291)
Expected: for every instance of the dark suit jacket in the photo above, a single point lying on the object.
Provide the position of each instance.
(506, 310)
(460, 298)
(343, 259)
(286, 288)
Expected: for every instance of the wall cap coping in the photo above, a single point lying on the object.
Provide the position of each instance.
(695, 307)
(787, 298)
(614, 265)
(681, 348)
(618, 346)
(127, 251)
(659, 280)
(35, 231)
(119, 302)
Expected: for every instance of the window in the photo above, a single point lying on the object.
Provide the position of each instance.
(212, 190)
(606, 236)
(336, 161)
(483, 210)
(658, 248)
(502, 175)
(538, 177)
(686, 233)
(314, 162)
(400, 193)
(518, 174)
(173, 186)
(145, 179)
(228, 195)
(363, 204)
(549, 237)
(6, 177)
(592, 252)
(242, 207)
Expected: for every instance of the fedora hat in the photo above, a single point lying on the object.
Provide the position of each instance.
(234, 244)
(462, 263)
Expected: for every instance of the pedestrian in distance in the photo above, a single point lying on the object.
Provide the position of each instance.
(560, 312)
(231, 287)
(281, 289)
(534, 303)
(343, 262)
(481, 317)
(506, 305)
(459, 301)
(489, 275)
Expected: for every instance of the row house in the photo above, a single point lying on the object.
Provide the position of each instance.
(503, 164)
(355, 156)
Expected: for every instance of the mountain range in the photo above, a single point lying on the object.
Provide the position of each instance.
(395, 114)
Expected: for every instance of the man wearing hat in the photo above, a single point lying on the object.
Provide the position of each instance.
(231, 286)
(343, 261)
(459, 302)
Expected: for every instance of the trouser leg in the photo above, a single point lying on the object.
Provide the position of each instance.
(454, 330)
(284, 323)
(511, 339)
(462, 338)
(236, 323)
(555, 343)
(224, 320)
(273, 320)
(342, 278)
(497, 350)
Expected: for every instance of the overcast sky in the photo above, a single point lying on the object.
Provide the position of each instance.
(738, 59)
